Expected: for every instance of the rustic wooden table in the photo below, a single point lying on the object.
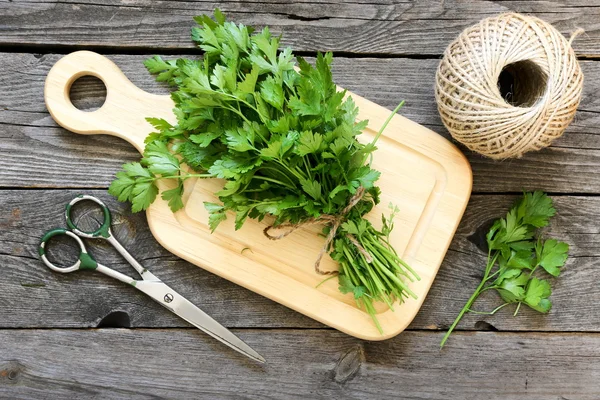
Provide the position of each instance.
(88, 336)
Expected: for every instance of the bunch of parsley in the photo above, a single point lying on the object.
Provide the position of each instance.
(517, 249)
(284, 142)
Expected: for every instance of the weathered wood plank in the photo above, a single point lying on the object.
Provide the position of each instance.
(315, 364)
(382, 27)
(29, 138)
(36, 297)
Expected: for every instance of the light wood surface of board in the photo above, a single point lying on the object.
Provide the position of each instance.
(422, 173)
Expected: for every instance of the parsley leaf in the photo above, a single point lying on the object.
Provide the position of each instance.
(136, 184)
(142, 195)
(313, 188)
(537, 295)
(512, 289)
(309, 143)
(536, 209)
(165, 70)
(551, 255)
(368, 177)
(122, 187)
(216, 215)
(346, 286)
(272, 92)
(159, 159)
(173, 196)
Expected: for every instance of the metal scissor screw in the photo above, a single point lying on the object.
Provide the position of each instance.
(168, 298)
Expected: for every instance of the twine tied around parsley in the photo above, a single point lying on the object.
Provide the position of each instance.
(334, 221)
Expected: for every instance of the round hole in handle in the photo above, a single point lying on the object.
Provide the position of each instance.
(87, 93)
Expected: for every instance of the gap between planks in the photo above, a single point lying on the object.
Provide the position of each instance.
(108, 50)
(37, 49)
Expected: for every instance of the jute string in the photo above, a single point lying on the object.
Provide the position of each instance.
(546, 91)
(334, 221)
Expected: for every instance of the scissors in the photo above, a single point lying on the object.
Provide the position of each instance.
(149, 284)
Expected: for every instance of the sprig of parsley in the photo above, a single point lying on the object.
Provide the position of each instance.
(137, 182)
(517, 251)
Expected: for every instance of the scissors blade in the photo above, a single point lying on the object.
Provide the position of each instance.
(182, 307)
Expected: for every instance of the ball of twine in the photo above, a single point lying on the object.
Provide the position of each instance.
(508, 85)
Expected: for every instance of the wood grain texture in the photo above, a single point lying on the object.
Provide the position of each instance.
(383, 27)
(304, 363)
(29, 136)
(35, 297)
(315, 364)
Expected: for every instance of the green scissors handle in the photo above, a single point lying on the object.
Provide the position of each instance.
(103, 232)
(85, 260)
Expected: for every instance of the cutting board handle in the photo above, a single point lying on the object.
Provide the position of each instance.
(124, 111)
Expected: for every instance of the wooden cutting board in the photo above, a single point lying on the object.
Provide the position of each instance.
(422, 173)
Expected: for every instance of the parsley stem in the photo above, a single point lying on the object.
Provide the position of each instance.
(489, 312)
(374, 276)
(292, 171)
(342, 170)
(350, 272)
(472, 299)
(396, 258)
(386, 280)
(396, 280)
(369, 306)
(389, 273)
(184, 177)
(495, 273)
(280, 172)
(517, 309)
(266, 178)
(240, 100)
(387, 121)
(533, 270)
(488, 288)
(238, 112)
(325, 280)
(306, 166)
(391, 261)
